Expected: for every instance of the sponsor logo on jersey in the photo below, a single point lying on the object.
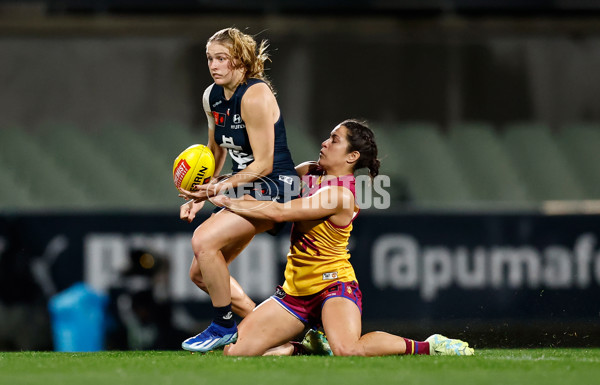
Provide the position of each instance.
(328, 276)
(219, 118)
(217, 103)
(237, 119)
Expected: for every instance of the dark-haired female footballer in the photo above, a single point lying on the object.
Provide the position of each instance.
(244, 119)
(320, 284)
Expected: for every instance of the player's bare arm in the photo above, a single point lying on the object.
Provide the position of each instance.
(259, 112)
(333, 202)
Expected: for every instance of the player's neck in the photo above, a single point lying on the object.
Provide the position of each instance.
(229, 89)
(331, 174)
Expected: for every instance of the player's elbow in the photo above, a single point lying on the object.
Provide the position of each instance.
(276, 214)
(267, 169)
(263, 167)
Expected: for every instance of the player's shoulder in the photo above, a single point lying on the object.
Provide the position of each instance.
(206, 98)
(206, 95)
(208, 89)
(256, 90)
(307, 168)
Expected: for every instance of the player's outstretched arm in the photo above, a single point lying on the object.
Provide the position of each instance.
(329, 202)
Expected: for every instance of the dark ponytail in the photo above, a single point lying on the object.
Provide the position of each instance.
(362, 139)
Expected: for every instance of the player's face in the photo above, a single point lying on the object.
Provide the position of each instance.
(221, 66)
(334, 151)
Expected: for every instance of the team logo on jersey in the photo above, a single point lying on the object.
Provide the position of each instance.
(237, 119)
(219, 118)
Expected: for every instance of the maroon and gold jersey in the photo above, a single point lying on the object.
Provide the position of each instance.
(318, 253)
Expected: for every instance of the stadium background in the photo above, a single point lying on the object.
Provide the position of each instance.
(487, 116)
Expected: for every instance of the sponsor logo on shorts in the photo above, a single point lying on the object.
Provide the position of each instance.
(286, 179)
(279, 293)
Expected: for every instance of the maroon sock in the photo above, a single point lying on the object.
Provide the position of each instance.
(416, 347)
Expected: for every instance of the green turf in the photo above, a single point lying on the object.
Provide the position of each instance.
(489, 367)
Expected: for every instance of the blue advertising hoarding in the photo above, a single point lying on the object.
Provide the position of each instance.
(476, 266)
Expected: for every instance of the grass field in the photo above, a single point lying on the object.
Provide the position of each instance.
(505, 366)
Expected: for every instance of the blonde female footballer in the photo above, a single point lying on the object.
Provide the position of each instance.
(245, 121)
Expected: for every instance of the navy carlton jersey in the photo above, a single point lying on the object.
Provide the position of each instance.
(230, 133)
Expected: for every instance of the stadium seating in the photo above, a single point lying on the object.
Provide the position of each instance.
(75, 151)
(14, 196)
(392, 162)
(37, 171)
(121, 167)
(540, 163)
(488, 169)
(580, 144)
(303, 146)
(170, 138)
(142, 164)
(431, 171)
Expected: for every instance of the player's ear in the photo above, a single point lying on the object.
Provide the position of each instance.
(352, 156)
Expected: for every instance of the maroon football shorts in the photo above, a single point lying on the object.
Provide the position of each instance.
(308, 308)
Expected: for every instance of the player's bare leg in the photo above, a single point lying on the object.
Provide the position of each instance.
(281, 350)
(215, 243)
(241, 304)
(268, 329)
(342, 324)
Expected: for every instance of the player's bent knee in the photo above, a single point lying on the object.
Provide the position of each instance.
(200, 244)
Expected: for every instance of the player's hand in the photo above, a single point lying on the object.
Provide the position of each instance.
(188, 210)
(200, 194)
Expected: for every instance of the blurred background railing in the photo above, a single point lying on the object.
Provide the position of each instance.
(486, 114)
